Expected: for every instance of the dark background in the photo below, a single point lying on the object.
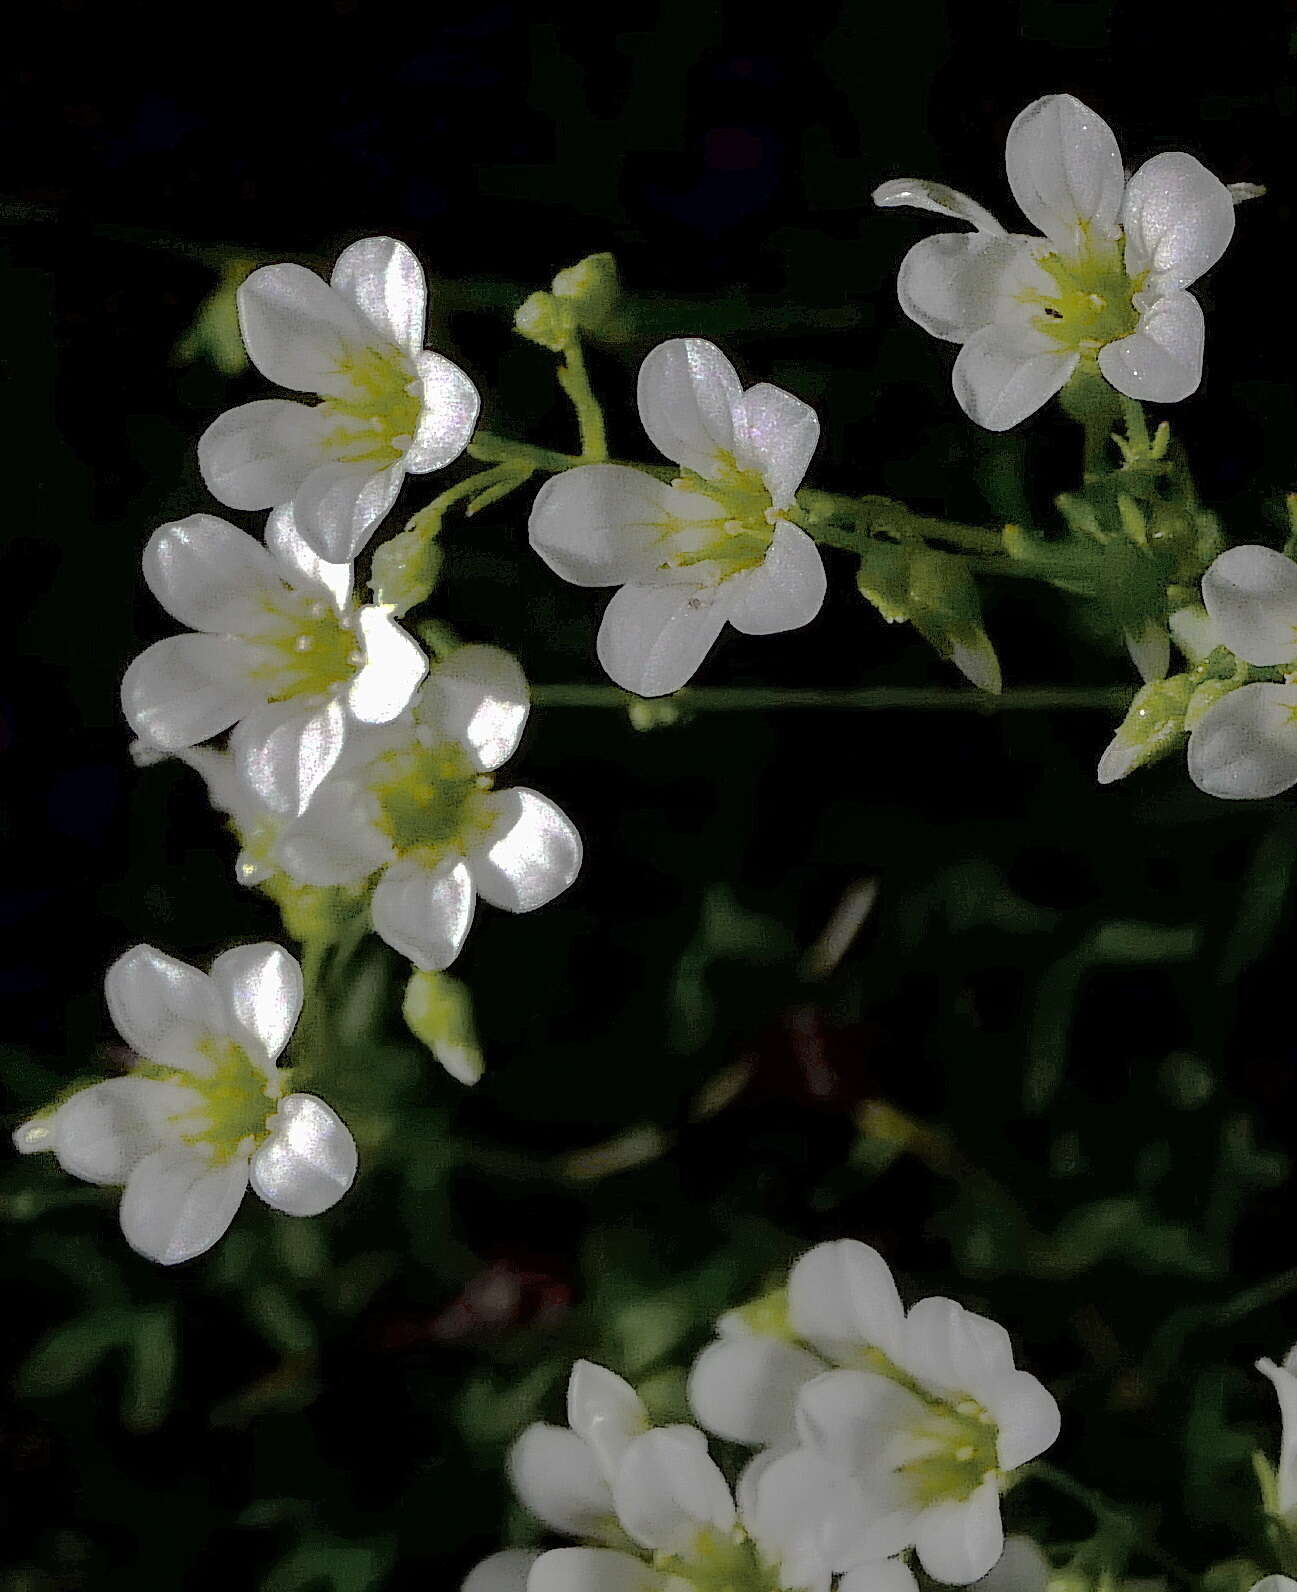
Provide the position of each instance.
(1084, 993)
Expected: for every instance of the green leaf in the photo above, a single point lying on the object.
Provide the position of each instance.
(69, 1353)
(152, 1353)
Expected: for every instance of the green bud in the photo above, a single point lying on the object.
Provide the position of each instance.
(215, 332)
(439, 1011)
(936, 593)
(1194, 632)
(405, 569)
(1207, 695)
(591, 288)
(1154, 726)
(657, 713)
(546, 320)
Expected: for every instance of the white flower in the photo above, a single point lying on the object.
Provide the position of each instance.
(1107, 281)
(656, 1514)
(715, 544)
(415, 802)
(203, 1114)
(388, 405)
(1284, 1377)
(280, 649)
(927, 1434)
(1246, 744)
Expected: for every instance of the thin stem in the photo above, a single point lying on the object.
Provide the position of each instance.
(1109, 1515)
(492, 449)
(574, 379)
(940, 699)
(310, 1028)
(880, 516)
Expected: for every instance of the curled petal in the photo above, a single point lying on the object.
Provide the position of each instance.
(654, 638)
(605, 524)
(301, 566)
(1027, 1416)
(394, 665)
(604, 1411)
(920, 194)
(384, 281)
(309, 1161)
(1006, 372)
(775, 434)
(1178, 219)
(954, 284)
(261, 986)
(425, 913)
(1161, 360)
(842, 1297)
(1245, 746)
(185, 689)
(961, 1542)
(258, 455)
(1065, 169)
(177, 1205)
(338, 839)
(338, 505)
(786, 591)
(450, 409)
(161, 1006)
(1285, 1386)
(104, 1132)
(283, 752)
(805, 1515)
(211, 576)
(1250, 594)
(558, 1479)
(298, 331)
(668, 1489)
(745, 1389)
(688, 392)
(532, 854)
(952, 1348)
(478, 696)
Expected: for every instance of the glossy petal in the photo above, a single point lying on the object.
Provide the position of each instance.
(786, 591)
(1006, 372)
(688, 392)
(102, 1133)
(185, 689)
(338, 505)
(384, 281)
(450, 409)
(211, 576)
(557, 1477)
(1027, 1416)
(532, 854)
(258, 455)
(653, 639)
(804, 1515)
(1245, 747)
(952, 284)
(502, 1572)
(309, 1161)
(1250, 594)
(604, 1411)
(745, 1389)
(478, 696)
(425, 913)
(852, 1419)
(961, 1542)
(605, 524)
(775, 434)
(1161, 361)
(261, 986)
(161, 1006)
(1022, 1567)
(176, 1205)
(920, 194)
(592, 1570)
(394, 666)
(1065, 169)
(284, 751)
(883, 1575)
(1178, 219)
(300, 565)
(298, 332)
(668, 1489)
(842, 1297)
(952, 1349)
(338, 839)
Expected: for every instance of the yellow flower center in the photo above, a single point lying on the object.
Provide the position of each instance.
(960, 1444)
(376, 425)
(738, 537)
(238, 1099)
(309, 649)
(722, 1563)
(1092, 299)
(432, 800)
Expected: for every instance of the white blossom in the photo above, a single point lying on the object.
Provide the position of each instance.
(414, 804)
(1106, 283)
(715, 544)
(925, 1411)
(278, 648)
(1284, 1377)
(203, 1113)
(389, 407)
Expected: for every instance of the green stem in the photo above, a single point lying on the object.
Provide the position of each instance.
(310, 1028)
(574, 379)
(1110, 1516)
(940, 699)
(874, 516)
(429, 517)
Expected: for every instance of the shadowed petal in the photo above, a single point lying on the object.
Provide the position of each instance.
(176, 1205)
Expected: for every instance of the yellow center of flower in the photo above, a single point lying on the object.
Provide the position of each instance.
(377, 422)
(720, 1563)
(738, 537)
(1091, 302)
(237, 1099)
(959, 1453)
(309, 649)
(432, 800)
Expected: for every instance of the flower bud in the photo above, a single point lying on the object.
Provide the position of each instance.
(405, 569)
(936, 593)
(439, 1011)
(591, 289)
(546, 320)
(1154, 725)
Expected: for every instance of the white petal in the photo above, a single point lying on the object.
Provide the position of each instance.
(745, 1389)
(425, 913)
(883, 1575)
(775, 434)
(309, 1161)
(1161, 360)
(953, 284)
(1250, 594)
(184, 689)
(805, 1515)
(842, 1297)
(954, 1349)
(532, 854)
(1178, 220)
(177, 1205)
(668, 1489)
(161, 1006)
(853, 1419)
(960, 1542)
(653, 639)
(688, 392)
(478, 696)
(258, 455)
(394, 665)
(337, 840)
(36, 1135)
(284, 751)
(920, 194)
(1027, 1416)
(211, 576)
(605, 524)
(1285, 1386)
(605, 1411)
(592, 1570)
(786, 591)
(300, 565)
(338, 505)
(1022, 1567)
(1245, 746)
(1006, 372)
(1065, 168)
(384, 281)
(261, 986)
(502, 1572)
(1150, 650)
(450, 409)
(1275, 1583)
(298, 331)
(102, 1133)
(557, 1477)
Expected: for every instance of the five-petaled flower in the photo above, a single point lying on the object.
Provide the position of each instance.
(1106, 283)
(204, 1112)
(281, 650)
(414, 802)
(714, 544)
(389, 407)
